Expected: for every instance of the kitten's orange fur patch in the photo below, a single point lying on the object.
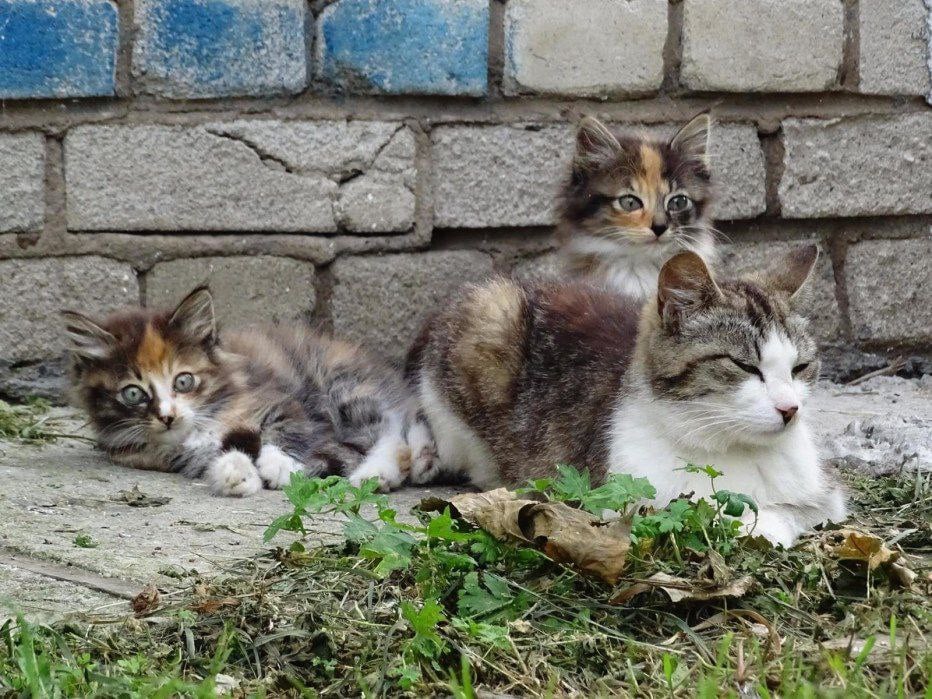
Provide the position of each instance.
(153, 350)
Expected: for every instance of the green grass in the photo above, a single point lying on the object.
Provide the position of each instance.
(439, 608)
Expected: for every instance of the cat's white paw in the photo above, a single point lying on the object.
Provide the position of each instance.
(233, 475)
(389, 466)
(275, 467)
(424, 458)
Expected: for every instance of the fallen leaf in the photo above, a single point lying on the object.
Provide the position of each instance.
(565, 534)
(146, 601)
(211, 605)
(137, 498)
(681, 589)
(854, 545)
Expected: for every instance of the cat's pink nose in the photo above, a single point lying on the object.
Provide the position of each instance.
(787, 413)
(167, 420)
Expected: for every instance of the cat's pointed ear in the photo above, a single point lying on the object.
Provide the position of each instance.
(86, 339)
(693, 140)
(194, 317)
(791, 273)
(595, 144)
(685, 284)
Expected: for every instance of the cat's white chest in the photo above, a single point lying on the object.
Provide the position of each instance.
(784, 478)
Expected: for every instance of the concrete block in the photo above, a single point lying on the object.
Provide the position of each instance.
(33, 291)
(762, 45)
(430, 47)
(57, 48)
(381, 301)
(894, 47)
(600, 48)
(265, 176)
(861, 166)
(890, 290)
(22, 182)
(246, 290)
(217, 48)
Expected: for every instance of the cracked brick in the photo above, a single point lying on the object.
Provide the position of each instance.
(264, 176)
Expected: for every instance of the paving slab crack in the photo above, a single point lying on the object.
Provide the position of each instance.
(71, 574)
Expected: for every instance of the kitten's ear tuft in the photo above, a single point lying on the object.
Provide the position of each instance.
(86, 339)
(792, 272)
(693, 140)
(685, 284)
(194, 317)
(595, 144)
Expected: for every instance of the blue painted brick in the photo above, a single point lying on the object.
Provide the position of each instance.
(217, 48)
(437, 47)
(57, 48)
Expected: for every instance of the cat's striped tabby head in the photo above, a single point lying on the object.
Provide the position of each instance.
(734, 358)
(634, 197)
(145, 376)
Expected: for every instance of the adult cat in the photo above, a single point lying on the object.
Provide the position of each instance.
(515, 379)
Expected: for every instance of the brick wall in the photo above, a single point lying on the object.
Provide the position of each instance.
(353, 161)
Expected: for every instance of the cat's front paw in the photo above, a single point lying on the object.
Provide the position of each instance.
(275, 467)
(424, 459)
(233, 475)
(389, 469)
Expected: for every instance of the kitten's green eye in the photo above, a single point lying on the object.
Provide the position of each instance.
(679, 203)
(134, 395)
(184, 383)
(749, 368)
(629, 202)
(800, 368)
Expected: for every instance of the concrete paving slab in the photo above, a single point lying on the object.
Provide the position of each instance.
(65, 505)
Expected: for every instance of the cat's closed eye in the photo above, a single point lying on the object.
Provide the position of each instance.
(748, 368)
(799, 368)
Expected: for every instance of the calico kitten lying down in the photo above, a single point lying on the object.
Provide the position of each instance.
(165, 393)
(516, 379)
(631, 203)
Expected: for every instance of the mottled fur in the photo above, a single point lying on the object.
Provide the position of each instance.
(516, 379)
(265, 401)
(602, 237)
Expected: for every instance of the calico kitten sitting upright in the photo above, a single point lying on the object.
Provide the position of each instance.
(165, 393)
(517, 379)
(631, 203)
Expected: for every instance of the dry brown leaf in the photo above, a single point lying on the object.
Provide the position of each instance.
(146, 601)
(565, 534)
(211, 605)
(681, 589)
(860, 546)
